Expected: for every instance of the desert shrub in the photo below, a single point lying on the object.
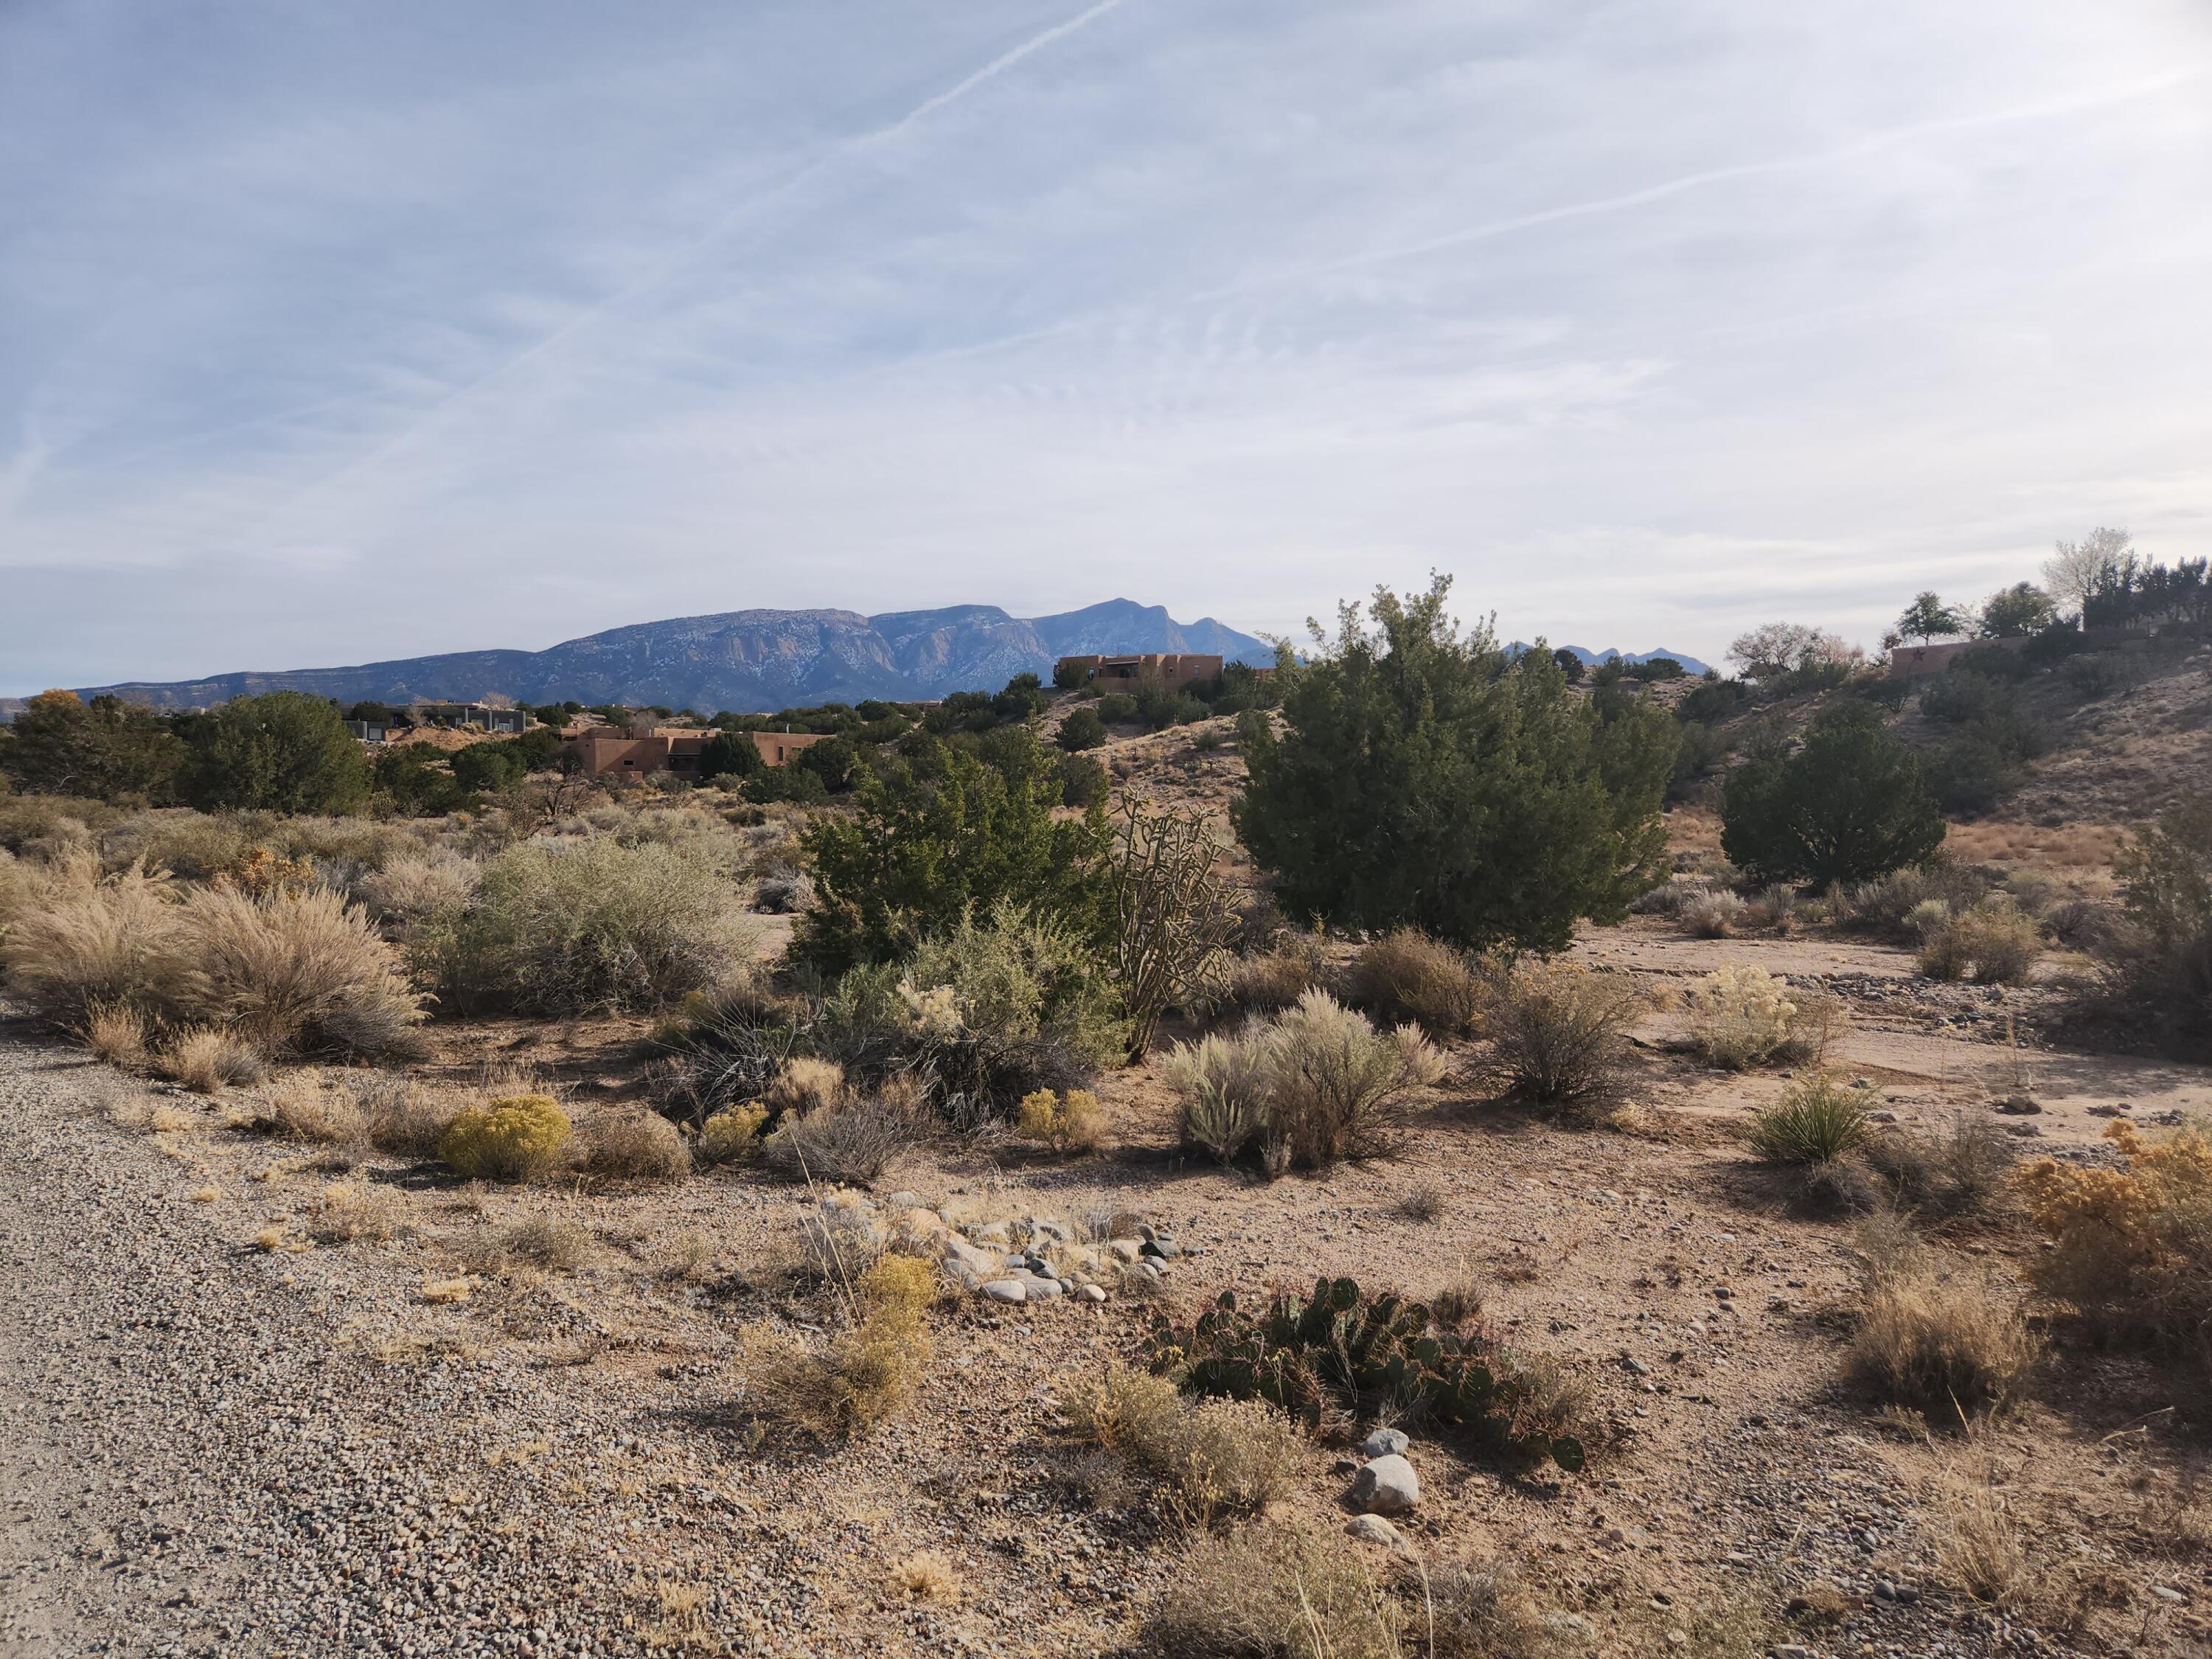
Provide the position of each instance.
(1081, 729)
(1776, 907)
(416, 886)
(1956, 1170)
(1849, 805)
(1947, 1341)
(402, 1116)
(1271, 981)
(1307, 1087)
(206, 1060)
(1815, 1121)
(1891, 904)
(1172, 915)
(732, 1135)
(2132, 1247)
(519, 1138)
(585, 927)
(1329, 1073)
(633, 1145)
(1714, 915)
(1741, 1017)
(353, 1211)
(117, 1033)
(804, 1085)
(1067, 1123)
(1213, 1459)
(1341, 1348)
(940, 833)
(1666, 899)
(291, 972)
(782, 891)
(1407, 976)
(284, 751)
(1268, 1594)
(76, 939)
(851, 1142)
(2163, 955)
(865, 1374)
(1560, 1031)
(1997, 944)
(1510, 807)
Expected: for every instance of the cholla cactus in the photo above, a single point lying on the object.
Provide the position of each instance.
(1741, 1016)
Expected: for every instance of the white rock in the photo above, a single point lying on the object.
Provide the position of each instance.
(1373, 1529)
(1091, 1292)
(1006, 1289)
(1383, 1442)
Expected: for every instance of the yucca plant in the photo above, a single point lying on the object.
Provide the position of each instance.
(1815, 1123)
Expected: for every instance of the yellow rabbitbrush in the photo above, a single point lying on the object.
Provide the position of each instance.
(516, 1139)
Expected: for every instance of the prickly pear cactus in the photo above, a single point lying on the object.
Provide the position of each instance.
(1367, 1352)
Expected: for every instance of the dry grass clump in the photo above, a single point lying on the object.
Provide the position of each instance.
(206, 1061)
(1406, 976)
(1287, 1594)
(635, 1146)
(1308, 1087)
(415, 885)
(300, 1108)
(1948, 1341)
(301, 971)
(74, 940)
(1422, 1203)
(1069, 1123)
(517, 1139)
(403, 1117)
(1560, 1031)
(1817, 1121)
(548, 1240)
(1995, 943)
(2131, 1249)
(1214, 1458)
(806, 1084)
(865, 1374)
(1957, 1171)
(116, 1032)
(1715, 914)
(1740, 1017)
(1483, 1610)
(352, 1211)
(926, 1576)
(784, 890)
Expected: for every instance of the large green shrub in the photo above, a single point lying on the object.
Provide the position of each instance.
(2165, 954)
(59, 745)
(1427, 778)
(284, 752)
(941, 833)
(1849, 805)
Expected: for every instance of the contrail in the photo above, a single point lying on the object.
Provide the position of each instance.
(842, 148)
(1872, 143)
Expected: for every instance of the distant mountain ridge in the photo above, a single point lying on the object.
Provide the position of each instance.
(744, 661)
(1591, 659)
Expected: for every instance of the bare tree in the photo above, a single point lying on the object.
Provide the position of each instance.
(1777, 647)
(1173, 915)
(2077, 569)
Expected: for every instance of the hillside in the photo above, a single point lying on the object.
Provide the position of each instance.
(746, 661)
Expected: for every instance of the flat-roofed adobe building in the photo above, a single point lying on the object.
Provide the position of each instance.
(1168, 669)
(641, 748)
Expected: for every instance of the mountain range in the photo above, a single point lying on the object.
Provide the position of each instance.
(745, 661)
(1591, 659)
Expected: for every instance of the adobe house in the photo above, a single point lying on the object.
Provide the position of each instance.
(641, 748)
(1167, 670)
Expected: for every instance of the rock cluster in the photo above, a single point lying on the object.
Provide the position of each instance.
(1006, 1258)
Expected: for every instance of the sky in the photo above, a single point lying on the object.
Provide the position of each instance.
(346, 332)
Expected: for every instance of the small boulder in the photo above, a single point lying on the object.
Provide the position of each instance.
(1374, 1529)
(2019, 1106)
(1383, 1442)
(1006, 1289)
(1091, 1292)
(1386, 1487)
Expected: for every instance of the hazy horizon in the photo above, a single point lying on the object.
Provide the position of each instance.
(336, 336)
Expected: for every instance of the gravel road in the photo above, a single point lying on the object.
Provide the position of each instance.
(198, 1456)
